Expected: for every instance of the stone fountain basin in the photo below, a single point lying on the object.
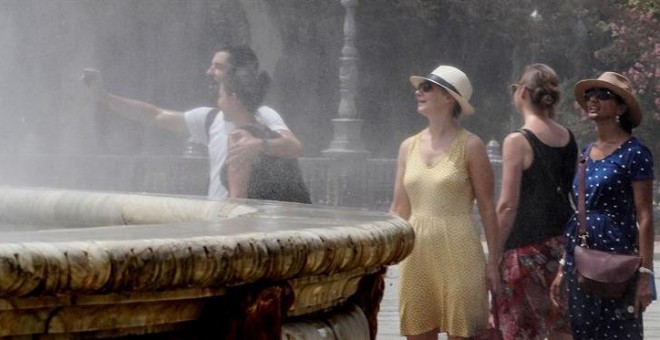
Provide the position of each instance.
(100, 264)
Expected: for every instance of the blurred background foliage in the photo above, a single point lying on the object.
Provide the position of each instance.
(492, 41)
(158, 51)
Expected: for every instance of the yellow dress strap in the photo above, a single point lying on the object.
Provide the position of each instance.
(461, 147)
(414, 145)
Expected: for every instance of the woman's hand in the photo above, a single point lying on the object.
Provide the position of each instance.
(558, 290)
(243, 149)
(493, 277)
(643, 296)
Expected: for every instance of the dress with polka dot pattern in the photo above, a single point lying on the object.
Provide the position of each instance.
(611, 226)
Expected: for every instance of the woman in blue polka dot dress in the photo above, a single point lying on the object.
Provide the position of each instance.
(618, 186)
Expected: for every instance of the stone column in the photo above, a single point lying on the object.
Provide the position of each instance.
(346, 175)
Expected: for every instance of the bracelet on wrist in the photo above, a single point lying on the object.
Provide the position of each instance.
(645, 270)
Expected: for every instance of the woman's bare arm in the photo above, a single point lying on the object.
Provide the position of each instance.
(238, 173)
(400, 202)
(514, 149)
(482, 179)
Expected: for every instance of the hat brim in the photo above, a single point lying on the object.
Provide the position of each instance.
(633, 107)
(466, 107)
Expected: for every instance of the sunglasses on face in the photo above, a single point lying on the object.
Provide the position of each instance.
(426, 86)
(601, 94)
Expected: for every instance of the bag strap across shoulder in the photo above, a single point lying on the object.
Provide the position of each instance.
(210, 118)
(582, 205)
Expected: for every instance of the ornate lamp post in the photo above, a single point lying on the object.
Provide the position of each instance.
(347, 172)
(347, 126)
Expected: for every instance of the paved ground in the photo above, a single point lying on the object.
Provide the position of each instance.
(388, 318)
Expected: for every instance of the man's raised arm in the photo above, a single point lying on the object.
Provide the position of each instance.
(134, 109)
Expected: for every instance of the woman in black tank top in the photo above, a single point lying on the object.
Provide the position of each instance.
(538, 164)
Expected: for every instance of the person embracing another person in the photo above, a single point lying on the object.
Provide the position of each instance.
(206, 125)
(264, 177)
(440, 172)
(614, 194)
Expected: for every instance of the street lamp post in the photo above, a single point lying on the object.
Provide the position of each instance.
(346, 147)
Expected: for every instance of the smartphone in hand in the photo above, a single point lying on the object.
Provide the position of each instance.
(654, 294)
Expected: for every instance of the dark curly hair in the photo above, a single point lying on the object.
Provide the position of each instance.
(240, 56)
(249, 85)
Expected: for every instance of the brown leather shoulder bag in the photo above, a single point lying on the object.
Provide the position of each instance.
(599, 272)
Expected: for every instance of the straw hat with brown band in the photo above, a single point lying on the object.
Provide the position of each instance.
(616, 83)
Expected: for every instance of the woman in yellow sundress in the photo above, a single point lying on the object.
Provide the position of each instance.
(440, 172)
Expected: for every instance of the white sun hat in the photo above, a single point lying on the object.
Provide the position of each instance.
(454, 81)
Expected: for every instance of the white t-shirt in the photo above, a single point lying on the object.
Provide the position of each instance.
(217, 143)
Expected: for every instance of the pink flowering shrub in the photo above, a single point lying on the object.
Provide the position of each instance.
(635, 51)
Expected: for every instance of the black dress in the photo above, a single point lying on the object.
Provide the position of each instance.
(273, 178)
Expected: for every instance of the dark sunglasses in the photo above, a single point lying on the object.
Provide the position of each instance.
(426, 86)
(600, 93)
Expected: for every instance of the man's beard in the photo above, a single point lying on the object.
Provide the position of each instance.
(213, 89)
